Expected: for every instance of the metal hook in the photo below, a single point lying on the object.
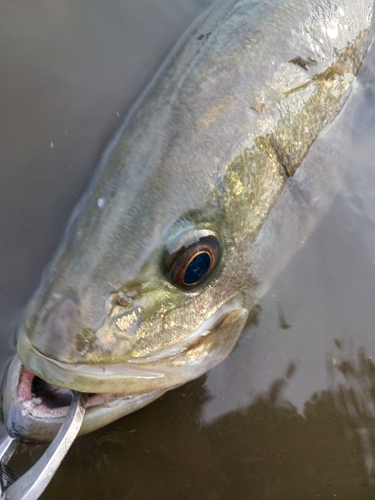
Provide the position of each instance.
(32, 484)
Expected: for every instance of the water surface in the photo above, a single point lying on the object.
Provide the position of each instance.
(290, 414)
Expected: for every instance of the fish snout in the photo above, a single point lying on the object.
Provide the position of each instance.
(57, 333)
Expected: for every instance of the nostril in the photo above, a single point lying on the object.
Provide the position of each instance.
(50, 395)
(123, 300)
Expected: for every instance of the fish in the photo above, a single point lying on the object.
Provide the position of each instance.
(213, 182)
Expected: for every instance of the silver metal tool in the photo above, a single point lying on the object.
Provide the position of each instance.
(7, 447)
(32, 484)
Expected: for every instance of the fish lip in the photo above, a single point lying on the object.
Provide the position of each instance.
(158, 371)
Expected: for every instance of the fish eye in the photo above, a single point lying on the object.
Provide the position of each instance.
(192, 258)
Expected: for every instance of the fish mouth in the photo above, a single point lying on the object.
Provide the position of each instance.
(161, 370)
(37, 397)
(34, 409)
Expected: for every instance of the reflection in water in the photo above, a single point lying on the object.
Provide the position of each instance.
(352, 382)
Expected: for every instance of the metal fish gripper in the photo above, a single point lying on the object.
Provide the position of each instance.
(32, 484)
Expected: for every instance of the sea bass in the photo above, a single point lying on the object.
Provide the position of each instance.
(203, 196)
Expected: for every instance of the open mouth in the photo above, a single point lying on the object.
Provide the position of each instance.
(34, 409)
(43, 398)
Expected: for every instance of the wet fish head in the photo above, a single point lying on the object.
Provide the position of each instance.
(148, 291)
(152, 286)
(155, 279)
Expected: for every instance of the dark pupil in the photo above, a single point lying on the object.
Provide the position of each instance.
(197, 269)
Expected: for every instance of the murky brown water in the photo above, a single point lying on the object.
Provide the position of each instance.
(291, 413)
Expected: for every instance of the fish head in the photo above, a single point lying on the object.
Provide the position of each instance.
(161, 265)
(146, 293)
(170, 322)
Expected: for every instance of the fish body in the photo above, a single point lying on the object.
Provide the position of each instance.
(168, 251)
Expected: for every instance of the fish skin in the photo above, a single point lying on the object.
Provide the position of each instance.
(212, 145)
